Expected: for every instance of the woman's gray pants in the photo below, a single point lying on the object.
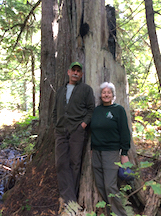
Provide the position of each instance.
(105, 172)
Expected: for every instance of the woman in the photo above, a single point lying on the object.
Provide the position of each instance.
(110, 136)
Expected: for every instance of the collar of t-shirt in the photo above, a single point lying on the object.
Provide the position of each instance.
(70, 88)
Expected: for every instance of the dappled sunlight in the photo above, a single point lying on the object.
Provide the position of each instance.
(9, 117)
(55, 27)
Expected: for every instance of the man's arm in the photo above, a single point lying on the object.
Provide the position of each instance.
(90, 105)
(55, 113)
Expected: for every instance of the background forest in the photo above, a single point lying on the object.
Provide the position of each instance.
(20, 62)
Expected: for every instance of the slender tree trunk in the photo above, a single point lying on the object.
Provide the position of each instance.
(49, 11)
(33, 82)
(24, 105)
(153, 37)
(56, 51)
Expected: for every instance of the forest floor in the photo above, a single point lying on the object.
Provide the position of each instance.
(36, 192)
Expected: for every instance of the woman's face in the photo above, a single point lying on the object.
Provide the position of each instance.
(106, 96)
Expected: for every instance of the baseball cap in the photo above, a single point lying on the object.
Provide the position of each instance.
(75, 64)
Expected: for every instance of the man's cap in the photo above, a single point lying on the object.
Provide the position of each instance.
(75, 64)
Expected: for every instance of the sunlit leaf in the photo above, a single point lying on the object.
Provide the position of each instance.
(101, 204)
(155, 186)
(145, 164)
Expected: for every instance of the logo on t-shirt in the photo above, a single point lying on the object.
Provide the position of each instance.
(109, 115)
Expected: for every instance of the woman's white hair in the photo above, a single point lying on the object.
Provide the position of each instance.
(110, 86)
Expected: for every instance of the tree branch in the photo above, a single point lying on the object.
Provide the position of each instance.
(24, 24)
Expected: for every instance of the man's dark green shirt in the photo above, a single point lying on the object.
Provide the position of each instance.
(67, 116)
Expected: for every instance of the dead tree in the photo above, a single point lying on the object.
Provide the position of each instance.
(71, 33)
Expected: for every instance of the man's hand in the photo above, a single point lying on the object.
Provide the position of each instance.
(124, 159)
(84, 125)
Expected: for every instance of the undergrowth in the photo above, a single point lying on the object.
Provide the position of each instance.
(20, 136)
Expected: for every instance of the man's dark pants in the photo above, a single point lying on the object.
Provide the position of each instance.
(68, 155)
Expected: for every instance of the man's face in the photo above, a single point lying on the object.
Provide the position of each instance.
(75, 74)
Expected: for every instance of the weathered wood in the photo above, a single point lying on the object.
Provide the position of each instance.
(152, 204)
(62, 43)
(153, 201)
(100, 66)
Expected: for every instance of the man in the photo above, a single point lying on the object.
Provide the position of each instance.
(72, 113)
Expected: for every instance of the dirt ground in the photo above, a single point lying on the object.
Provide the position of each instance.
(35, 194)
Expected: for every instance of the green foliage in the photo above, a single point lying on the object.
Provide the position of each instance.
(127, 205)
(21, 138)
(126, 188)
(147, 115)
(155, 186)
(27, 206)
(145, 164)
(113, 195)
(19, 41)
(136, 56)
(125, 165)
(133, 39)
(1, 212)
(150, 133)
(91, 214)
(29, 148)
(101, 204)
(26, 121)
(139, 130)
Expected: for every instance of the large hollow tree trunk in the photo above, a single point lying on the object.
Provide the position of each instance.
(77, 30)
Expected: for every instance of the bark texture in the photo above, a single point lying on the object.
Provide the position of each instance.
(152, 204)
(153, 201)
(100, 66)
(77, 30)
(47, 70)
(153, 37)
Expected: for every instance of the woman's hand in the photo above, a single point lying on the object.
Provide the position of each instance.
(124, 159)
